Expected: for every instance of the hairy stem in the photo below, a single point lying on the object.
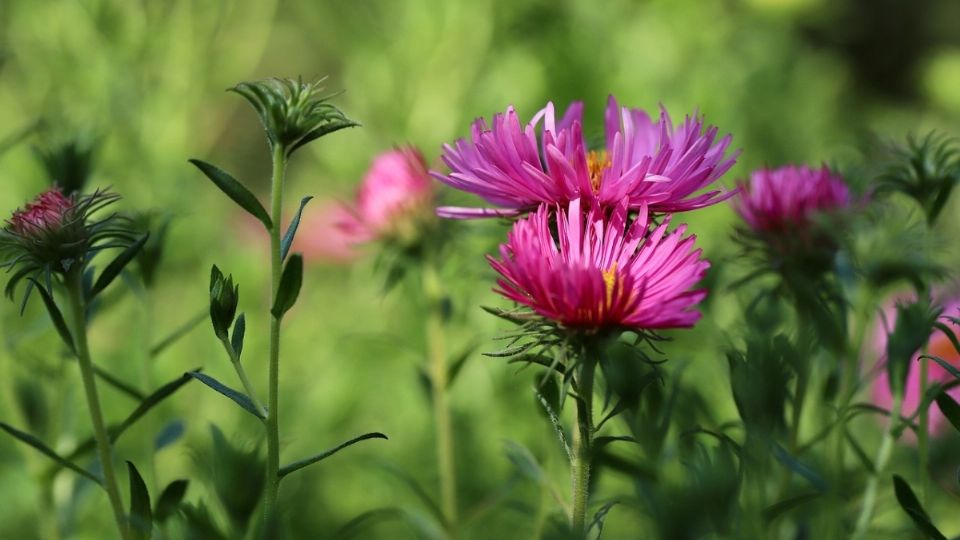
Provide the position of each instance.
(104, 449)
(439, 378)
(273, 389)
(883, 456)
(582, 447)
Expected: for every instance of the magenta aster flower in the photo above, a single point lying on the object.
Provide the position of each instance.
(395, 191)
(601, 272)
(48, 212)
(783, 199)
(644, 161)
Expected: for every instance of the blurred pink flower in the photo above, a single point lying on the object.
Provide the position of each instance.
(601, 272)
(644, 162)
(940, 346)
(47, 212)
(323, 236)
(396, 190)
(786, 198)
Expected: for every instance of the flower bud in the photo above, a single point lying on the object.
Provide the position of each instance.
(224, 296)
(293, 112)
(911, 332)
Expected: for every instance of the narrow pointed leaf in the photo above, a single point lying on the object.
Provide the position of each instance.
(183, 330)
(239, 398)
(170, 499)
(114, 432)
(292, 230)
(323, 455)
(148, 403)
(804, 470)
(117, 383)
(47, 451)
(55, 316)
(911, 505)
(949, 408)
(235, 190)
(951, 369)
(117, 265)
(290, 282)
(141, 516)
(239, 329)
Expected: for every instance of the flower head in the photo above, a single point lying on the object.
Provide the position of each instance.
(396, 192)
(939, 345)
(644, 162)
(786, 199)
(601, 271)
(54, 233)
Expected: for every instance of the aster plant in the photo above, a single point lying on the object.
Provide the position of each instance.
(588, 276)
(51, 244)
(293, 113)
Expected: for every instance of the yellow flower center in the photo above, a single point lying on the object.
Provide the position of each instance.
(610, 279)
(597, 162)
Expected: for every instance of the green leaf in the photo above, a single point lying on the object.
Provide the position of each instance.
(55, 316)
(949, 408)
(114, 432)
(775, 510)
(183, 330)
(170, 499)
(117, 383)
(951, 369)
(148, 403)
(287, 469)
(235, 190)
(141, 517)
(804, 470)
(292, 230)
(117, 265)
(908, 501)
(239, 398)
(524, 461)
(290, 282)
(359, 524)
(47, 451)
(239, 329)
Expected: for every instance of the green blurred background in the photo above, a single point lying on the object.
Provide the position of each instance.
(792, 80)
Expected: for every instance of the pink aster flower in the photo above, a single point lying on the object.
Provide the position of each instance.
(644, 162)
(940, 346)
(786, 199)
(601, 271)
(396, 190)
(48, 211)
(322, 236)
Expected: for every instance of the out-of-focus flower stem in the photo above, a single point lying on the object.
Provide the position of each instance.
(273, 391)
(582, 444)
(883, 456)
(74, 288)
(923, 431)
(439, 379)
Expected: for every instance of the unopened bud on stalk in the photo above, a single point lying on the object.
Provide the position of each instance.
(293, 112)
(224, 296)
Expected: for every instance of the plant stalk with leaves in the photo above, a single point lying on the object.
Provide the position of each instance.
(293, 114)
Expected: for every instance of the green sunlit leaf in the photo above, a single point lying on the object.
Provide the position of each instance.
(235, 190)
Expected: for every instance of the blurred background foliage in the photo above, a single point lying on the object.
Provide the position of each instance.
(792, 80)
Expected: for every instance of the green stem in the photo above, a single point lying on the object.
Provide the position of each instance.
(104, 450)
(273, 388)
(923, 435)
(883, 456)
(439, 378)
(582, 447)
(242, 374)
